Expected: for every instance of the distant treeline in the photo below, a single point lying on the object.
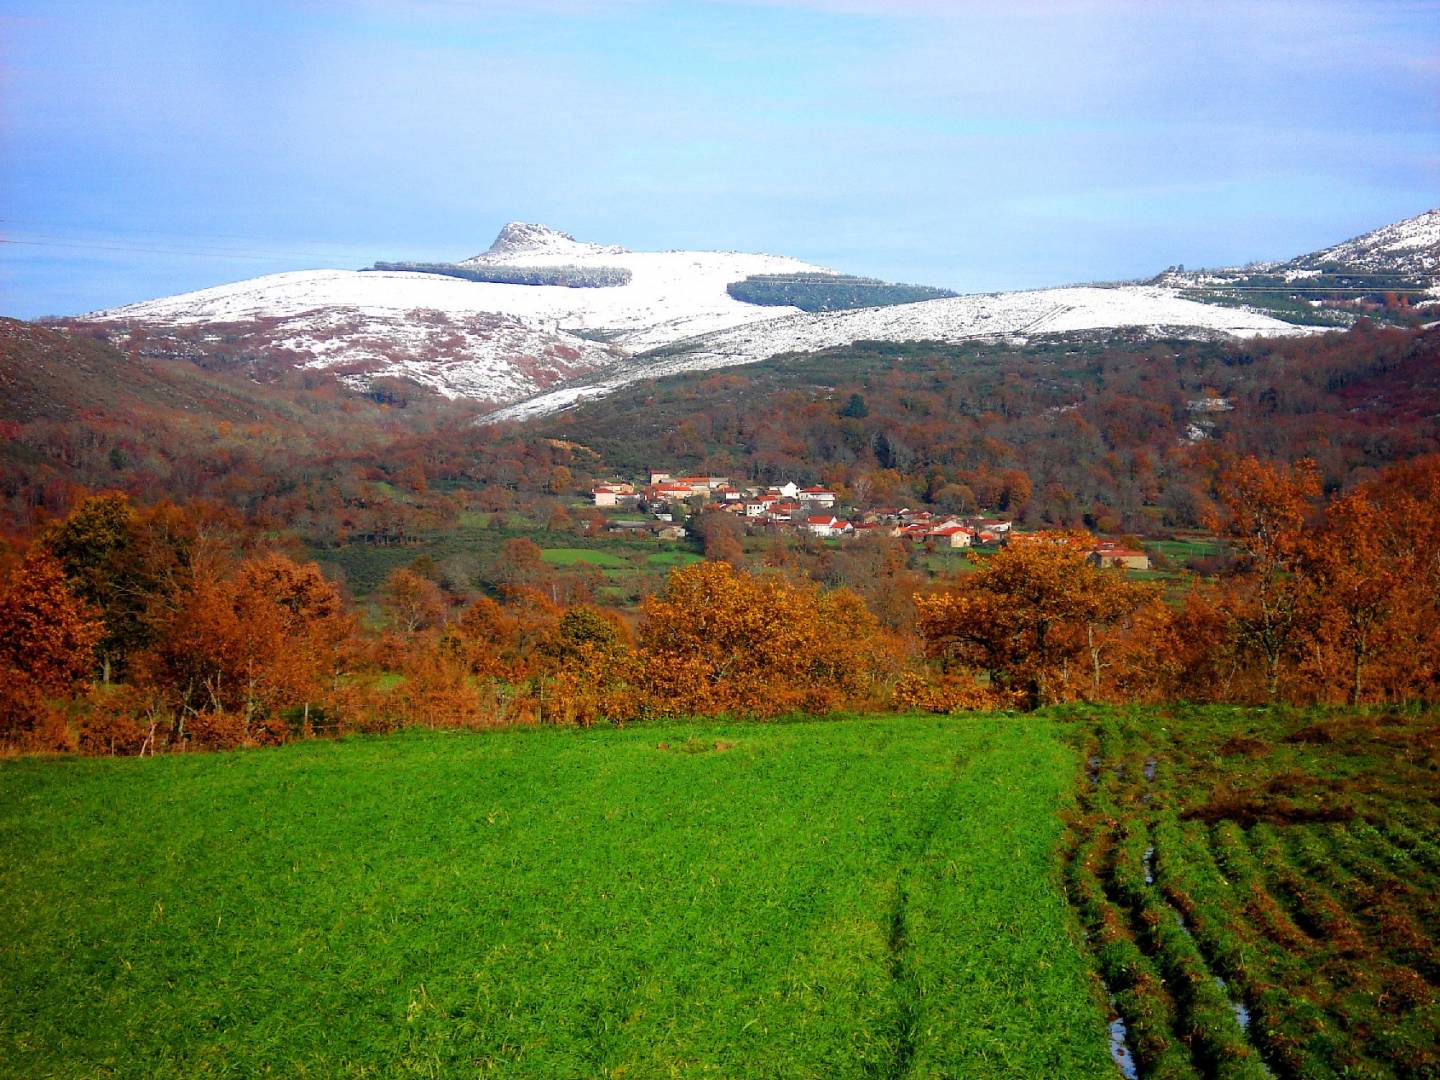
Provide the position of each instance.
(570, 277)
(827, 292)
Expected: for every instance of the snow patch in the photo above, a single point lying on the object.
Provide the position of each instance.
(1012, 316)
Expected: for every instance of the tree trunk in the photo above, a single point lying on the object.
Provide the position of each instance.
(1094, 660)
(1358, 658)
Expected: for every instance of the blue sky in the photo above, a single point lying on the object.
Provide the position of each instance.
(154, 146)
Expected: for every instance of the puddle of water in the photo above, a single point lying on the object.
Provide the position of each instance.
(1150, 867)
(1092, 769)
(1242, 1015)
(1120, 1050)
(1238, 1007)
(1150, 765)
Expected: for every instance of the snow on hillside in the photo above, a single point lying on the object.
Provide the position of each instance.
(1019, 314)
(1407, 249)
(671, 294)
(1411, 246)
(343, 318)
(506, 343)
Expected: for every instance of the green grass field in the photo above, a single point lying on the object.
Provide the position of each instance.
(592, 556)
(867, 897)
(673, 558)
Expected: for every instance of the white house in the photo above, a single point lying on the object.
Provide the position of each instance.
(826, 525)
(817, 495)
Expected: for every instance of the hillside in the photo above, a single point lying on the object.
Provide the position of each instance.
(1013, 316)
(171, 418)
(1107, 432)
(1391, 273)
(1409, 248)
(51, 375)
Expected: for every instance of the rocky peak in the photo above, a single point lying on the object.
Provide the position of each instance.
(523, 238)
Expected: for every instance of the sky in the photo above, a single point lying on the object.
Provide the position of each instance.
(149, 147)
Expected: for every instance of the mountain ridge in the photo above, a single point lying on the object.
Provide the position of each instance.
(523, 347)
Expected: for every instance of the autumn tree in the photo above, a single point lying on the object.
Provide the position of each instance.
(718, 639)
(1029, 615)
(503, 640)
(587, 671)
(412, 602)
(1375, 565)
(248, 644)
(520, 566)
(559, 519)
(1264, 510)
(720, 533)
(560, 481)
(1358, 586)
(98, 546)
(47, 641)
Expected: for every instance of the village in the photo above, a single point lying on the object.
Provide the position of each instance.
(807, 511)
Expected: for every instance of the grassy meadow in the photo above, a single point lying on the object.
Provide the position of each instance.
(860, 897)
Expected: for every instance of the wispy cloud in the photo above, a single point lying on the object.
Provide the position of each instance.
(916, 130)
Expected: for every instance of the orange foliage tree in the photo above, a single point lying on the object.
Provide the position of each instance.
(1264, 513)
(1374, 563)
(249, 644)
(721, 640)
(47, 643)
(1032, 618)
(411, 601)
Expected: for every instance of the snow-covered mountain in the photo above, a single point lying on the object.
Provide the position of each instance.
(482, 340)
(1410, 247)
(1406, 251)
(1010, 315)
(536, 348)
(522, 243)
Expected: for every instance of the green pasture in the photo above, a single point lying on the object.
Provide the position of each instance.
(673, 558)
(590, 556)
(851, 898)
(1180, 550)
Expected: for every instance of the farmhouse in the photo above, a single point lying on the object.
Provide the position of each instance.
(612, 494)
(827, 525)
(955, 536)
(1109, 553)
